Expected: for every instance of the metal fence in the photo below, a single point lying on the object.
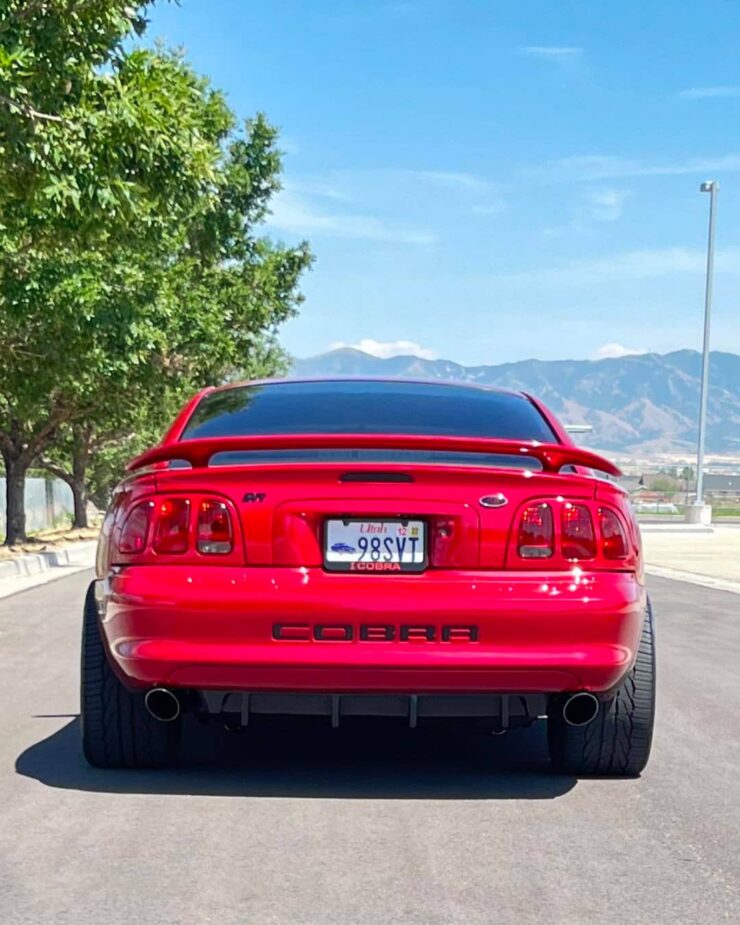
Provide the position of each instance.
(48, 504)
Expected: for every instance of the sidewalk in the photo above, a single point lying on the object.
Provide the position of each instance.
(710, 559)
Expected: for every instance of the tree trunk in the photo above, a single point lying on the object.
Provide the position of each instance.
(15, 487)
(79, 494)
(78, 482)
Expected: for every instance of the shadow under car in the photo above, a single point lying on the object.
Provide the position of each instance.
(367, 759)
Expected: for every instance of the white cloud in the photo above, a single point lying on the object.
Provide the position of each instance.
(322, 189)
(452, 179)
(489, 199)
(340, 203)
(708, 93)
(594, 167)
(491, 208)
(629, 265)
(614, 351)
(294, 212)
(605, 205)
(359, 185)
(597, 205)
(552, 52)
(385, 349)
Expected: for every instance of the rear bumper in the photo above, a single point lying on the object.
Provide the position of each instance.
(215, 628)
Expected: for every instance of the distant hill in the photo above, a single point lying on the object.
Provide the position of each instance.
(645, 403)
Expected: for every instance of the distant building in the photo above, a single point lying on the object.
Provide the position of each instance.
(722, 486)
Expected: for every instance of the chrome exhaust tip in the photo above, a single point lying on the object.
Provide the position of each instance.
(580, 709)
(162, 704)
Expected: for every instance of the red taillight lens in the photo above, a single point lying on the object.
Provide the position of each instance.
(613, 539)
(577, 538)
(135, 529)
(214, 528)
(536, 533)
(172, 528)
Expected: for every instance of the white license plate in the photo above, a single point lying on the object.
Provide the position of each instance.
(375, 546)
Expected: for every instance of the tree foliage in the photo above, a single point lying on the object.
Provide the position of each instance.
(130, 269)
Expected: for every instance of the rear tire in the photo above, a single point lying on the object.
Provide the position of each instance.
(117, 730)
(617, 742)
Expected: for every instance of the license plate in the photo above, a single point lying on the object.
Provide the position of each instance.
(375, 546)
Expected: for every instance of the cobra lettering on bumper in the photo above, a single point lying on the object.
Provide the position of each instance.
(374, 632)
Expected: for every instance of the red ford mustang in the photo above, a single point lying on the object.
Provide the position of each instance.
(369, 547)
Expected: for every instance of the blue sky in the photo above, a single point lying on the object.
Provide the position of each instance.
(489, 180)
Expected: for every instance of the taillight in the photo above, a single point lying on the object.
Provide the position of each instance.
(176, 526)
(135, 529)
(613, 539)
(172, 529)
(570, 532)
(577, 538)
(215, 536)
(536, 538)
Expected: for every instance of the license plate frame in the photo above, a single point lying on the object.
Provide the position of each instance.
(380, 566)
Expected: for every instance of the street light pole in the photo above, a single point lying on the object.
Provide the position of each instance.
(711, 187)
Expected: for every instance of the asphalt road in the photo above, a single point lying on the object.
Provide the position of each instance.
(375, 825)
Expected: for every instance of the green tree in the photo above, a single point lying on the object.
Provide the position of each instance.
(130, 272)
(216, 294)
(91, 135)
(663, 483)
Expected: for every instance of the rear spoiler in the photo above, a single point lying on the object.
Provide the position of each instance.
(198, 452)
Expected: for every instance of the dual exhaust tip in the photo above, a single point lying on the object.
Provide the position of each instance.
(580, 709)
(162, 704)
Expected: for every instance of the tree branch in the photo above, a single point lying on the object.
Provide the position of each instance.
(54, 469)
(27, 110)
(36, 444)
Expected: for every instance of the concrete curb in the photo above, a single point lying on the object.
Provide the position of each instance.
(676, 528)
(39, 565)
(705, 581)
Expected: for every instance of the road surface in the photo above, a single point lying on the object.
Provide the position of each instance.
(370, 826)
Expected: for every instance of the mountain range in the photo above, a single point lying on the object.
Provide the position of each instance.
(646, 403)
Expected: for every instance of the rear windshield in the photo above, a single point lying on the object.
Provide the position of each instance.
(367, 407)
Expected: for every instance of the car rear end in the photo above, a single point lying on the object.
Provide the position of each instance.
(370, 548)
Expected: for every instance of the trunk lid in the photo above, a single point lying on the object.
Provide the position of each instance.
(283, 508)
